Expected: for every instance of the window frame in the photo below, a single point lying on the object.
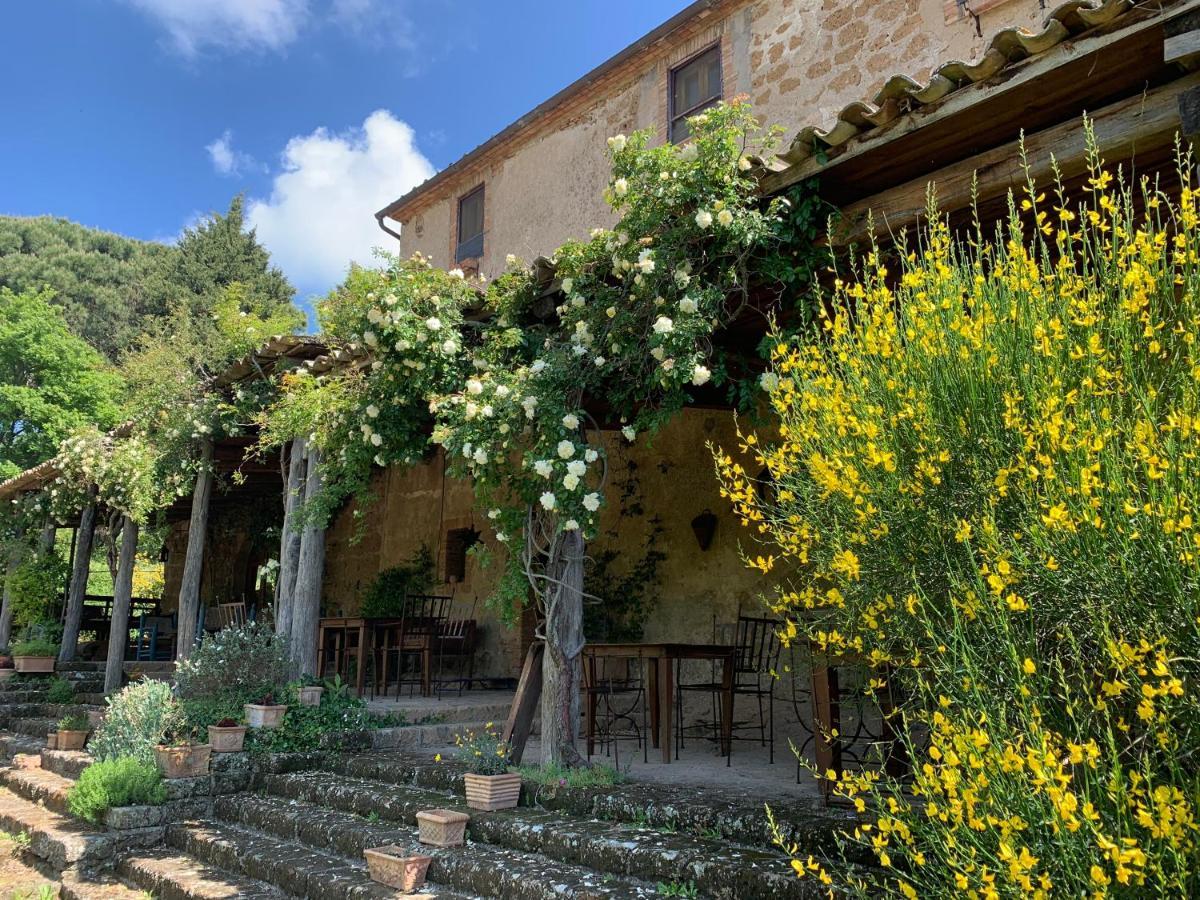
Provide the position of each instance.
(675, 116)
(471, 248)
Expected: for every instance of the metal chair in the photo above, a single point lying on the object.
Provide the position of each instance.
(413, 636)
(612, 697)
(456, 640)
(758, 648)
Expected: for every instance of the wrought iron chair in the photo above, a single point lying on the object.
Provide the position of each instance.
(754, 675)
(412, 637)
(614, 692)
(456, 640)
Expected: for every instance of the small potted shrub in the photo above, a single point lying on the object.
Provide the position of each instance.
(490, 785)
(179, 755)
(73, 731)
(265, 713)
(227, 736)
(34, 657)
(309, 692)
(396, 867)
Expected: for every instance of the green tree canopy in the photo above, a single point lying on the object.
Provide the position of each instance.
(51, 381)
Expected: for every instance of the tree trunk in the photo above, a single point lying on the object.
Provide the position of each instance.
(80, 570)
(306, 607)
(118, 636)
(289, 542)
(193, 563)
(14, 560)
(564, 643)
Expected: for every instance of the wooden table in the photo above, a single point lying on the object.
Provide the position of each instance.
(660, 660)
(366, 630)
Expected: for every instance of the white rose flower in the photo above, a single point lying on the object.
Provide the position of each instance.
(544, 467)
(611, 312)
(700, 375)
(474, 386)
(577, 467)
(591, 455)
(658, 353)
(704, 218)
(663, 325)
(480, 456)
(745, 164)
(689, 152)
(646, 261)
(487, 411)
(599, 361)
(620, 187)
(373, 411)
(570, 525)
(769, 382)
(493, 513)
(570, 421)
(374, 316)
(567, 285)
(501, 536)
(537, 365)
(376, 439)
(457, 273)
(687, 305)
(725, 218)
(450, 346)
(566, 449)
(502, 391)
(379, 461)
(616, 143)
(433, 323)
(570, 482)
(547, 500)
(591, 502)
(370, 339)
(629, 432)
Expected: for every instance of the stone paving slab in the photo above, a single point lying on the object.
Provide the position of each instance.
(38, 785)
(58, 839)
(170, 875)
(74, 885)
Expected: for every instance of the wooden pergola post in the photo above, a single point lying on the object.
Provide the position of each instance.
(306, 607)
(14, 560)
(289, 541)
(118, 635)
(80, 569)
(193, 564)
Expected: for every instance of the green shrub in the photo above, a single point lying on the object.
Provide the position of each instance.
(236, 664)
(60, 691)
(36, 586)
(385, 597)
(121, 781)
(35, 647)
(74, 722)
(136, 720)
(328, 726)
(208, 711)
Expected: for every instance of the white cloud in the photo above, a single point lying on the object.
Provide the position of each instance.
(193, 25)
(320, 214)
(377, 22)
(227, 159)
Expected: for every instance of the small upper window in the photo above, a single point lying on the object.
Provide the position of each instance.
(470, 226)
(695, 86)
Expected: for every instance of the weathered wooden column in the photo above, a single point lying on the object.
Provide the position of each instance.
(306, 607)
(289, 541)
(193, 562)
(561, 668)
(118, 636)
(14, 560)
(80, 569)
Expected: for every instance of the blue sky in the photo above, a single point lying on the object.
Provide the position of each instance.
(139, 116)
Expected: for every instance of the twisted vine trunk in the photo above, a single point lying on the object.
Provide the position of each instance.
(80, 570)
(561, 666)
(118, 636)
(289, 541)
(193, 562)
(306, 607)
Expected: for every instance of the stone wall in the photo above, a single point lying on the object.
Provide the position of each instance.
(799, 62)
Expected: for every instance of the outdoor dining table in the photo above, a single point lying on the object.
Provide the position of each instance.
(660, 660)
(366, 632)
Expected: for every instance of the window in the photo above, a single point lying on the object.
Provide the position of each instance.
(470, 226)
(695, 86)
(458, 542)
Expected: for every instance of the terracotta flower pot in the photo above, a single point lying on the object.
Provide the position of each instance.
(228, 739)
(52, 740)
(394, 867)
(491, 792)
(72, 740)
(259, 716)
(33, 665)
(187, 761)
(442, 827)
(311, 696)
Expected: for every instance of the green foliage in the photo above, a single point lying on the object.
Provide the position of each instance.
(35, 647)
(556, 776)
(51, 382)
(205, 711)
(238, 664)
(483, 752)
(332, 725)
(136, 721)
(60, 691)
(119, 781)
(618, 594)
(74, 722)
(678, 889)
(386, 595)
(36, 587)
(107, 286)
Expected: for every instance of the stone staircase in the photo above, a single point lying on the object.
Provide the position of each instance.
(297, 828)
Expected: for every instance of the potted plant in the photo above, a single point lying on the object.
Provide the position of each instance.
(442, 827)
(490, 785)
(73, 731)
(396, 867)
(265, 713)
(227, 736)
(309, 691)
(34, 656)
(179, 755)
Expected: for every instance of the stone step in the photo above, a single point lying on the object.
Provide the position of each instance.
(170, 875)
(67, 763)
(295, 868)
(481, 869)
(432, 737)
(38, 785)
(76, 885)
(12, 744)
(34, 726)
(718, 868)
(60, 840)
